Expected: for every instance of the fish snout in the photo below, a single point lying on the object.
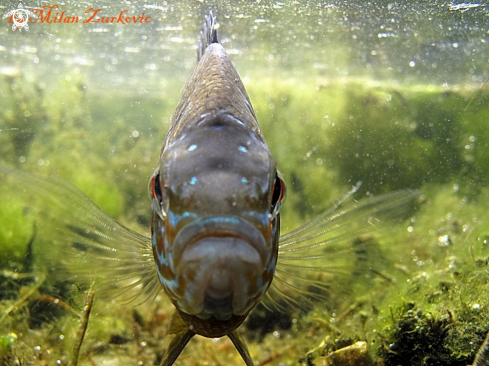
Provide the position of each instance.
(222, 261)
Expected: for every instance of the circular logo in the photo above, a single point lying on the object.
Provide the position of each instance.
(20, 18)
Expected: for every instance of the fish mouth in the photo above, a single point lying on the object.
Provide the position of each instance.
(219, 227)
(221, 260)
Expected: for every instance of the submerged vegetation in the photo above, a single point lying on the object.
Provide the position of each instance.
(428, 301)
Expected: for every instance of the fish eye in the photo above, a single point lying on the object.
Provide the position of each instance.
(156, 193)
(155, 188)
(278, 194)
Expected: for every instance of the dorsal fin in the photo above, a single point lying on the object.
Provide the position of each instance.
(208, 34)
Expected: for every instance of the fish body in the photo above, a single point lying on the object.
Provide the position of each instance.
(216, 196)
(215, 245)
(214, 227)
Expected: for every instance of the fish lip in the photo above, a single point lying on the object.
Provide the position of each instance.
(219, 227)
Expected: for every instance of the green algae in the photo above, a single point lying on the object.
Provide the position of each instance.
(427, 302)
(447, 327)
(22, 114)
(439, 317)
(13, 235)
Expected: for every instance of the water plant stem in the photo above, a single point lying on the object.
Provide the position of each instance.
(83, 325)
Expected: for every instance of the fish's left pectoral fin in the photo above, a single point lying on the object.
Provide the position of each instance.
(176, 347)
(321, 259)
(241, 347)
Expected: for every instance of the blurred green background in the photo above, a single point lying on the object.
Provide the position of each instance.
(390, 94)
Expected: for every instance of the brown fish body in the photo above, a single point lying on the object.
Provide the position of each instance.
(216, 196)
(214, 89)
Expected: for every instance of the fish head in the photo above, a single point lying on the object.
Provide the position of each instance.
(216, 197)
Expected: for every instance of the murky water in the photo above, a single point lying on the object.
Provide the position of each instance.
(429, 42)
(392, 94)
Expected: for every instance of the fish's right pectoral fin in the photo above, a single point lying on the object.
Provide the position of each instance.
(176, 347)
(78, 240)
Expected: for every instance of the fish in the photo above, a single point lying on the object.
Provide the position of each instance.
(216, 194)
